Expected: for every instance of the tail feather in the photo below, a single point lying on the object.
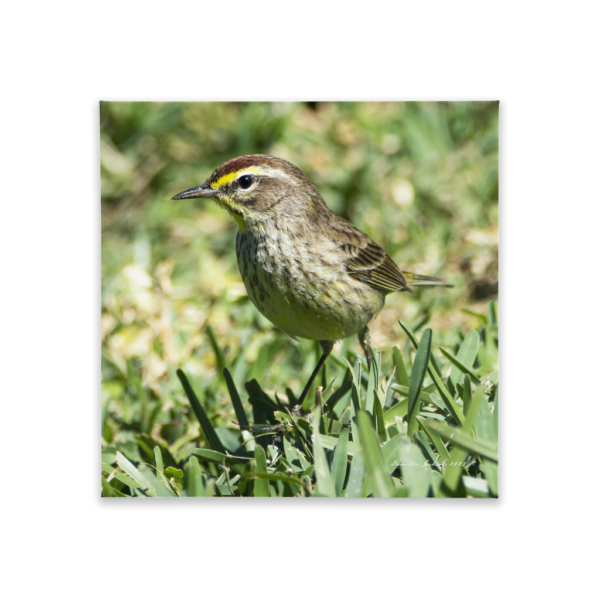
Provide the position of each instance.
(414, 279)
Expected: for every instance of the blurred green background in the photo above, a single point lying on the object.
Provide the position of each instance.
(420, 178)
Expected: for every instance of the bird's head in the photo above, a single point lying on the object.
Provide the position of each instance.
(256, 187)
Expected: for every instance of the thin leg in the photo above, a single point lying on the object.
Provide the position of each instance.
(327, 346)
(365, 341)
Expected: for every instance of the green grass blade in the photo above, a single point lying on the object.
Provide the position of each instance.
(446, 397)
(385, 388)
(401, 372)
(425, 448)
(325, 485)
(403, 390)
(398, 410)
(380, 421)
(492, 320)
(373, 379)
(465, 358)
(261, 486)
(329, 443)
(491, 347)
(266, 477)
(459, 366)
(194, 484)
(490, 470)
(356, 478)
(238, 407)
(292, 456)
(140, 392)
(218, 457)
(482, 318)
(458, 437)
(355, 399)
(339, 400)
(207, 428)
(494, 408)
(453, 485)
(477, 401)
(478, 488)
(340, 462)
(147, 444)
(135, 475)
(467, 394)
(391, 457)
(417, 377)
(214, 342)
(380, 481)
(439, 384)
(486, 424)
(125, 479)
(146, 482)
(357, 373)
(108, 491)
(436, 440)
(177, 474)
(158, 460)
(417, 476)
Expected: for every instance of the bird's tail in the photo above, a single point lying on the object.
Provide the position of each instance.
(414, 279)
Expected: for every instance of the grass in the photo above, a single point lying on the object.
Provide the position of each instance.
(196, 385)
(409, 433)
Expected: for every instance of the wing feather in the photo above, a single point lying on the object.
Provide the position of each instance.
(367, 262)
(371, 264)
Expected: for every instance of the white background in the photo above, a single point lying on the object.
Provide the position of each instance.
(540, 59)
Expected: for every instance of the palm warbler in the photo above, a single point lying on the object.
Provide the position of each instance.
(309, 271)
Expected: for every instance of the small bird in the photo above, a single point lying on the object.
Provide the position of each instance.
(310, 272)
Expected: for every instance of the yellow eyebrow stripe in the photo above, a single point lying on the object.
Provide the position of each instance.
(231, 176)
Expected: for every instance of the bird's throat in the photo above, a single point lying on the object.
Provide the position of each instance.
(226, 204)
(238, 219)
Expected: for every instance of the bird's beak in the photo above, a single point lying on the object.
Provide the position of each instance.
(202, 191)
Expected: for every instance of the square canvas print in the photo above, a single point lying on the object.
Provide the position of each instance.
(299, 299)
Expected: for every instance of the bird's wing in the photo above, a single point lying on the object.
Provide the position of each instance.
(370, 264)
(365, 260)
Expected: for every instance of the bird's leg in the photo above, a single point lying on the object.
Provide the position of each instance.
(327, 346)
(365, 341)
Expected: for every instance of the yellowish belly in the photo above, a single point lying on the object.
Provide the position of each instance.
(305, 299)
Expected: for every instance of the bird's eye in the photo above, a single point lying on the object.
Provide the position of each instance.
(246, 181)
